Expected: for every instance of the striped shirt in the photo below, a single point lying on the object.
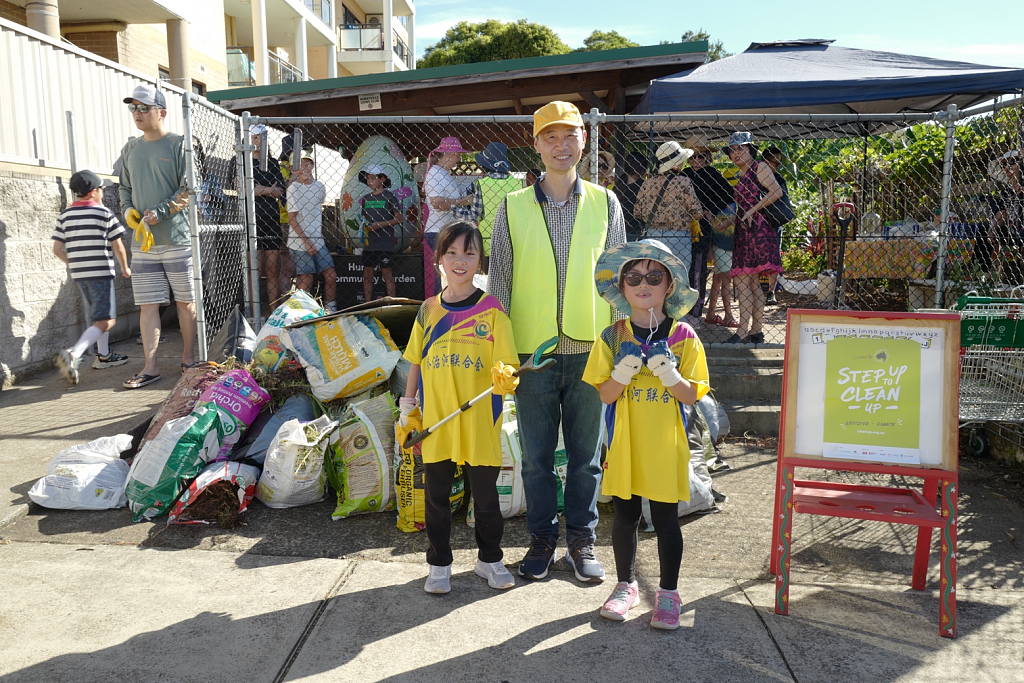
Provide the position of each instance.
(560, 220)
(87, 229)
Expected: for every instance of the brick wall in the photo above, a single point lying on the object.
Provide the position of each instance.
(13, 13)
(106, 44)
(40, 307)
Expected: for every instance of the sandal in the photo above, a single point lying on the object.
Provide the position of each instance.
(715, 320)
(730, 323)
(138, 381)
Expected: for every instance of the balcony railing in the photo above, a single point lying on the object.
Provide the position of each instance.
(242, 68)
(323, 9)
(402, 50)
(360, 37)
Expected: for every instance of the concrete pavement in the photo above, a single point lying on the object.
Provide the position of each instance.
(292, 595)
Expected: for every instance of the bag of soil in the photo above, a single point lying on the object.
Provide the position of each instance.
(361, 462)
(166, 463)
(219, 495)
(409, 491)
(182, 398)
(343, 356)
(269, 352)
(238, 400)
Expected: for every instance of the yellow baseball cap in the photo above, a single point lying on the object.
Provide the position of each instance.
(556, 112)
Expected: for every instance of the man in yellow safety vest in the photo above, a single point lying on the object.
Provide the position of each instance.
(546, 241)
(489, 192)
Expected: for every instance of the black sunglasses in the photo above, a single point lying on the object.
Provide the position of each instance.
(141, 108)
(654, 278)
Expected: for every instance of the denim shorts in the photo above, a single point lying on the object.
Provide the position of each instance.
(305, 264)
(99, 297)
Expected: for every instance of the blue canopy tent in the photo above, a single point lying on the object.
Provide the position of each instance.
(812, 76)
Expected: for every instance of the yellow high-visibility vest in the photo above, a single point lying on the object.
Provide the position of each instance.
(533, 305)
(493, 190)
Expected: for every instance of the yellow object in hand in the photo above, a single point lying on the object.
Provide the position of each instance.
(143, 235)
(695, 230)
(505, 380)
(413, 423)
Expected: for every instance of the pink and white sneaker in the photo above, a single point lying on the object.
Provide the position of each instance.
(666, 610)
(624, 596)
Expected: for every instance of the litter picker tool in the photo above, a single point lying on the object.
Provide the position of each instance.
(532, 364)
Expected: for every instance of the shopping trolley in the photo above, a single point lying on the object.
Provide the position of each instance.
(992, 367)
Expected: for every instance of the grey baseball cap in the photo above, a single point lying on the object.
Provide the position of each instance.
(148, 94)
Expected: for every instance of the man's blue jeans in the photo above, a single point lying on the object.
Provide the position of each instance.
(542, 398)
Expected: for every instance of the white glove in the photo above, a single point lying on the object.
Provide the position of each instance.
(628, 362)
(406, 405)
(662, 362)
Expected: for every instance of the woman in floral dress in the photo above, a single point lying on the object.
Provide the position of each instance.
(755, 250)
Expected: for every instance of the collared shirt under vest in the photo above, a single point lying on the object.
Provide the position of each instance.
(533, 304)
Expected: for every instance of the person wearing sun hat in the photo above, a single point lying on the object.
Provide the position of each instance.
(381, 212)
(441, 193)
(546, 241)
(667, 203)
(489, 192)
(648, 370)
(1007, 211)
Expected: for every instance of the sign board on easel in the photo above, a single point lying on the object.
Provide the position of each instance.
(873, 393)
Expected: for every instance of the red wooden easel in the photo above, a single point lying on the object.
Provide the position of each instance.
(878, 503)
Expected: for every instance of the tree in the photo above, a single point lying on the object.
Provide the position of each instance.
(716, 49)
(492, 40)
(605, 40)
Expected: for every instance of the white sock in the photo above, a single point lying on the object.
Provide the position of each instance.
(91, 334)
(665, 590)
(103, 344)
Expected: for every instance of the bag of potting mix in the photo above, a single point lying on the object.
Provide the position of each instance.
(176, 455)
(409, 492)
(361, 461)
(269, 352)
(182, 398)
(222, 491)
(343, 356)
(238, 400)
(293, 473)
(88, 476)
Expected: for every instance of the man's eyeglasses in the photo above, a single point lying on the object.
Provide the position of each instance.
(141, 108)
(701, 155)
(654, 278)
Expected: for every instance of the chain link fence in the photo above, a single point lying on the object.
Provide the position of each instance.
(217, 215)
(890, 212)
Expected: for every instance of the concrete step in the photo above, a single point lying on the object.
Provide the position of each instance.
(746, 382)
(758, 417)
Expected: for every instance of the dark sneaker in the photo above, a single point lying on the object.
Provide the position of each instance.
(539, 558)
(138, 339)
(67, 366)
(108, 361)
(583, 561)
(771, 300)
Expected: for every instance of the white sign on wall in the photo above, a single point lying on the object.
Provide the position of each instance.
(369, 102)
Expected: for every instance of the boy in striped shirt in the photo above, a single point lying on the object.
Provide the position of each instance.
(86, 238)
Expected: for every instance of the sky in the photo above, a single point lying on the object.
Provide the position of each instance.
(979, 31)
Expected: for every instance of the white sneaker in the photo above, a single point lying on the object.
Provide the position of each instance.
(496, 574)
(67, 365)
(439, 579)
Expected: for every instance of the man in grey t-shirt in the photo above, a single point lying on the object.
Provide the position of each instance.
(154, 196)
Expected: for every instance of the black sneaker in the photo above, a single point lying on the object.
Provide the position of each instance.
(108, 361)
(771, 300)
(138, 339)
(539, 557)
(583, 562)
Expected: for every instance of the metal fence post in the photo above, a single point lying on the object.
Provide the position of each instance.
(72, 142)
(947, 183)
(193, 216)
(247, 190)
(595, 135)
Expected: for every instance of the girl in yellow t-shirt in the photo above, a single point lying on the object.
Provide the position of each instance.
(645, 368)
(460, 343)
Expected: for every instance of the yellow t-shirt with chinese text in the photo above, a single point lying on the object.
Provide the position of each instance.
(648, 454)
(455, 348)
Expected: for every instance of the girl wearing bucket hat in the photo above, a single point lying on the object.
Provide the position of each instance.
(645, 368)
(667, 203)
(441, 192)
(755, 248)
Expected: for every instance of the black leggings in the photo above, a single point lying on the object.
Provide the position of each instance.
(665, 517)
(490, 525)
